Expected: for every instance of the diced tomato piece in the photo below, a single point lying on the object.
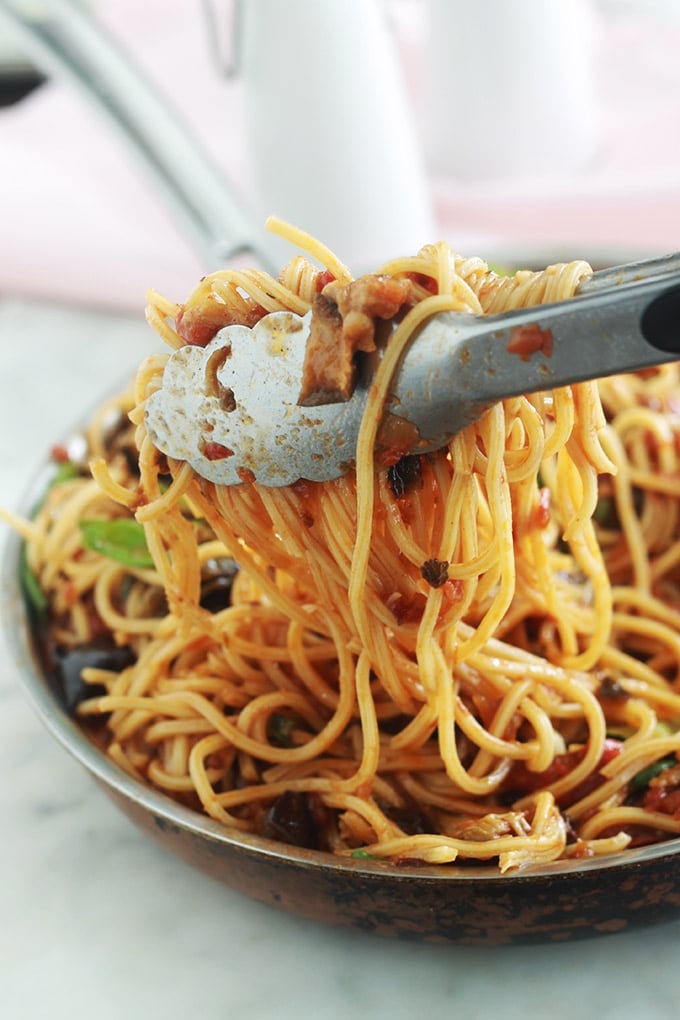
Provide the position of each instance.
(663, 799)
(522, 780)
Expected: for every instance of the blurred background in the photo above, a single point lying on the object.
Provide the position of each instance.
(516, 129)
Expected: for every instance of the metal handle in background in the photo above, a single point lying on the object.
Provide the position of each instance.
(63, 39)
(606, 330)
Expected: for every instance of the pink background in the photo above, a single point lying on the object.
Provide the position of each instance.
(80, 224)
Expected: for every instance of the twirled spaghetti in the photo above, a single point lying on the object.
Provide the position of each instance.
(465, 655)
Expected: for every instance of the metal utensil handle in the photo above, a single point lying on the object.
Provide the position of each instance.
(64, 39)
(459, 365)
(631, 272)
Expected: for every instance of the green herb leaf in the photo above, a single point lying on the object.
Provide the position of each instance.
(66, 470)
(642, 779)
(365, 856)
(121, 539)
(279, 729)
(606, 513)
(31, 586)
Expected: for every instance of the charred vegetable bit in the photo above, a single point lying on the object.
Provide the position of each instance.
(121, 539)
(404, 475)
(292, 820)
(611, 690)
(68, 666)
(410, 818)
(217, 581)
(435, 572)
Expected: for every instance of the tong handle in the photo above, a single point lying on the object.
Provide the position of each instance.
(458, 365)
(631, 272)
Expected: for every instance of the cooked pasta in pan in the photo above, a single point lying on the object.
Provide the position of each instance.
(466, 655)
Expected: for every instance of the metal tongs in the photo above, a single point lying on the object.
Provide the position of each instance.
(231, 409)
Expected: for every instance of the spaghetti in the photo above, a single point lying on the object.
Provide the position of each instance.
(470, 655)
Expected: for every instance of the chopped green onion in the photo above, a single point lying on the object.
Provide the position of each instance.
(121, 539)
(365, 856)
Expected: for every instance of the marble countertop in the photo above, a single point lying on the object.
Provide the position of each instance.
(96, 920)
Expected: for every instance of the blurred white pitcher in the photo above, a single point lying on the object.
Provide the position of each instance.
(333, 143)
(508, 88)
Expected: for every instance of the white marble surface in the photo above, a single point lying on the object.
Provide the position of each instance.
(96, 921)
